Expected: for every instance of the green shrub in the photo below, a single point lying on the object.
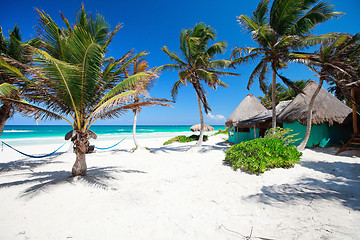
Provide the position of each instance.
(261, 154)
(282, 134)
(184, 139)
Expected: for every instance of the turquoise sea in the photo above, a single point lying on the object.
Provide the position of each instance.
(18, 135)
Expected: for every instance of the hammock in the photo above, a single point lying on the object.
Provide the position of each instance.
(111, 146)
(33, 156)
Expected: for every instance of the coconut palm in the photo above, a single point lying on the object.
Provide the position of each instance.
(198, 65)
(332, 59)
(16, 54)
(277, 32)
(142, 88)
(73, 81)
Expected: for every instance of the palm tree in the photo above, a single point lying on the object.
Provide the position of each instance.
(142, 96)
(198, 65)
(277, 32)
(73, 80)
(16, 54)
(281, 93)
(332, 59)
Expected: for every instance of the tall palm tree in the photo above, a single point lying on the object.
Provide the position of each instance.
(16, 54)
(142, 88)
(332, 59)
(277, 32)
(198, 65)
(73, 81)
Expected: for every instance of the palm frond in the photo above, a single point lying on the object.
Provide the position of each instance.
(259, 15)
(216, 48)
(175, 89)
(51, 35)
(259, 71)
(8, 91)
(168, 67)
(319, 13)
(126, 84)
(110, 103)
(173, 56)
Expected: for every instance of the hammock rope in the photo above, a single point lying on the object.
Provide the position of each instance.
(33, 156)
(111, 146)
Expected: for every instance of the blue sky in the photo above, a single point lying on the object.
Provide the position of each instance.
(150, 25)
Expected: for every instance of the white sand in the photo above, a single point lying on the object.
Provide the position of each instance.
(171, 193)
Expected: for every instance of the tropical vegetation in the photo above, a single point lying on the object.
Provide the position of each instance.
(278, 31)
(261, 154)
(142, 97)
(185, 139)
(334, 58)
(16, 55)
(198, 65)
(72, 80)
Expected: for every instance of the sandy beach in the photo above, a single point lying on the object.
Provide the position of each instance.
(172, 193)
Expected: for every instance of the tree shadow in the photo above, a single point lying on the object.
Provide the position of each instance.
(44, 181)
(168, 149)
(27, 163)
(342, 185)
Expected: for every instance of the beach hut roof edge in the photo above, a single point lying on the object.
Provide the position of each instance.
(248, 108)
(327, 108)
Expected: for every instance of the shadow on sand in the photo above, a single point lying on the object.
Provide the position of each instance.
(222, 146)
(342, 184)
(28, 163)
(44, 181)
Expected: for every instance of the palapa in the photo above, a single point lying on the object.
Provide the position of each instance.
(266, 115)
(326, 108)
(198, 126)
(247, 109)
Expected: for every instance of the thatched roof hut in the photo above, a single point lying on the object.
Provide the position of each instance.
(327, 108)
(266, 115)
(248, 108)
(197, 127)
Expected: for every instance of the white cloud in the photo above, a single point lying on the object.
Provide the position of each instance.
(216, 116)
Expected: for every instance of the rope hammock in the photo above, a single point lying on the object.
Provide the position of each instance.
(111, 146)
(52, 153)
(33, 156)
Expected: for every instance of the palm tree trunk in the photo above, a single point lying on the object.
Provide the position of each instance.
(273, 100)
(134, 129)
(309, 118)
(5, 113)
(81, 145)
(199, 143)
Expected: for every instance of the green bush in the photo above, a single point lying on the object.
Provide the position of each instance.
(184, 139)
(261, 154)
(282, 134)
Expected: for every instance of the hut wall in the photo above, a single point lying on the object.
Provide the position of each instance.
(238, 137)
(338, 134)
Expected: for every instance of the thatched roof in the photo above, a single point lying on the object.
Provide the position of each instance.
(266, 115)
(248, 108)
(327, 108)
(198, 126)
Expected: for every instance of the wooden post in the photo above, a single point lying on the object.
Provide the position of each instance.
(254, 133)
(354, 111)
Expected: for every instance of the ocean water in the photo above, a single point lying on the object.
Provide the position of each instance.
(18, 135)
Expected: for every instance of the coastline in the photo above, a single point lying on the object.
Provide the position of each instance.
(26, 135)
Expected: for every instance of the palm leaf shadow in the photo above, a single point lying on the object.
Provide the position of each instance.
(44, 181)
(341, 185)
